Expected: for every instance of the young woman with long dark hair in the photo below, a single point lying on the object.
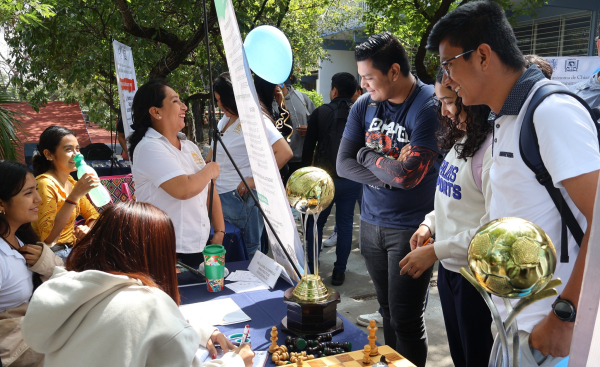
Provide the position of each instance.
(63, 198)
(116, 303)
(462, 201)
(169, 171)
(238, 207)
(23, 260)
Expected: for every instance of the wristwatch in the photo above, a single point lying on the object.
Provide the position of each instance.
(564, 310)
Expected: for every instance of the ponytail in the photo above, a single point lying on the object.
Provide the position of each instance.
(151, 94)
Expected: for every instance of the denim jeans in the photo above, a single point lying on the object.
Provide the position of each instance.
(244, 215)
(64, 253)
(358, 201)
(401, 297)
(346, 192)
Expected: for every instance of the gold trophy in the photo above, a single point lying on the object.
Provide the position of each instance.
(312, 307)
(511, 258)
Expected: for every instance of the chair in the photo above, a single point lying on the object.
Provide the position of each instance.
(97, 152)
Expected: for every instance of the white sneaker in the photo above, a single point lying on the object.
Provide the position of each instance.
(364, 320)
(331, 240)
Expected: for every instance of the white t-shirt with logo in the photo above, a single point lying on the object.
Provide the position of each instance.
(233, 139)
(156, 161)
(569, 148)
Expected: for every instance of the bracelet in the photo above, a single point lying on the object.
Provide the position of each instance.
(219, 230)
(70, 202)
(429, 228)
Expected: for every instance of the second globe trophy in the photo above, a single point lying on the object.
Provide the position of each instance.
(311, 306)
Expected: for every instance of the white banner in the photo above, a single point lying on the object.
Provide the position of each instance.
(573, 70)
(126, 82)
(271, 192)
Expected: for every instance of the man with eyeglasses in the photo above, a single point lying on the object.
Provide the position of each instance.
(397, 111)
(483, 64)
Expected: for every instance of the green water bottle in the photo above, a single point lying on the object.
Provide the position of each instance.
(99, 195)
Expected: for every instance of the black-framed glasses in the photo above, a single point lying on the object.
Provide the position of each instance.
(445, 63)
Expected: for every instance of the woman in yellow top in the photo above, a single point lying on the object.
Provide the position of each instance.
(63, 198)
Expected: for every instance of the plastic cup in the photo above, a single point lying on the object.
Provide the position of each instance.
(214, 267)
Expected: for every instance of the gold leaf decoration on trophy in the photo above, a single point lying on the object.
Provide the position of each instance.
(310, 190)
(512, 257)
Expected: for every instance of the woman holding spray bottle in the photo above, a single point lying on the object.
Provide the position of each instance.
(63, 198)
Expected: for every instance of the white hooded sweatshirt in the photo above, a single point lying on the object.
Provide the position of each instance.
(93, 318)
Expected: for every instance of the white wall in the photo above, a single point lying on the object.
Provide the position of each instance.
(340, 61)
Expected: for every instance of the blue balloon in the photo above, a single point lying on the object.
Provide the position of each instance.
(563, 363)
(269, 53)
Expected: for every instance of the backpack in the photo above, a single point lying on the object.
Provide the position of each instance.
(327, 150)
(530, 152)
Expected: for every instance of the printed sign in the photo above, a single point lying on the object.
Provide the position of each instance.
(126, 82)
(573, 70)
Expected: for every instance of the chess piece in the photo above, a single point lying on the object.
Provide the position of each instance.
(273, 345)
(299, 362)
(275, 358)
(372, 337)
(367, 357)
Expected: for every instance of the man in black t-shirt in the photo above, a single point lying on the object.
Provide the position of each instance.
(397, 110)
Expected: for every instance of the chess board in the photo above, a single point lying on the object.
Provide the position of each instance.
(355, 359)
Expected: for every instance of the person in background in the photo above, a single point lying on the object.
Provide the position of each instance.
(116, 302)
(169, 171)
(541, 63)
(63, 198)
(484, 66)
(398, 110)
(462, 202)
(325, 127)
(23, 260)
(121, 138)
(589, 90)
(239, 208)
(358, 93)
(300, 108)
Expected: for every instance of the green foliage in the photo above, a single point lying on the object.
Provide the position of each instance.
(9, 123)
(29, 12)
(315, 97)
(411, 22)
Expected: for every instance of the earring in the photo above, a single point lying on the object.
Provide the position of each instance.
(49, 159)
(2, 211)
(159, 117)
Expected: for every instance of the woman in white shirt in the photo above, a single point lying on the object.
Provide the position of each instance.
(116, 304)
(169, 171)
(462, 199)
(238, 206)
(22, 260)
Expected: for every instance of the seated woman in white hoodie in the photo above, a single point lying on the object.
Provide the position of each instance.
(22, 261)
(116, 304)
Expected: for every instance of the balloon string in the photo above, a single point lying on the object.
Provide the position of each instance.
(282, 122)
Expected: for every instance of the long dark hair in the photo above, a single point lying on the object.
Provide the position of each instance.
(223, 86)
(50, 139)
(12, 179)
(134, 239)
(151, 94)
(476, 125)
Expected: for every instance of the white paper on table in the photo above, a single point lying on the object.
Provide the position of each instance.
(222, 311)
(265, 269)
(259, 360)
(243, 276)
(241, 287)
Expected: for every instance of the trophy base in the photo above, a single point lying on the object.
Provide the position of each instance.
(311, 318)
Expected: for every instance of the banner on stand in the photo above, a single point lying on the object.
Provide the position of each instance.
(126, 82)
(573, 70)
(271, 192)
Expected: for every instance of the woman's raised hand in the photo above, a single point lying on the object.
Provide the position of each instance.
(83, 186)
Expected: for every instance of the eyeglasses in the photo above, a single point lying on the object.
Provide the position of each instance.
(445, 66)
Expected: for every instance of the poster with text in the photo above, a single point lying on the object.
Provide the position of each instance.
(573, 70)
(126, 82)
(271, 192)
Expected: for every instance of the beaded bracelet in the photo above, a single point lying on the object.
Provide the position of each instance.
(70, 202)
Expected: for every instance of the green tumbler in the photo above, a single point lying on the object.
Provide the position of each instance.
(214, 267)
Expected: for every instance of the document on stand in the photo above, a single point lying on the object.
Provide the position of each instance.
(217, 312)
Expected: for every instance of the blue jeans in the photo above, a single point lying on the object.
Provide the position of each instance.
(64, 253)
(346, 193)
(244, 215)
(401, 297)
(358, 201)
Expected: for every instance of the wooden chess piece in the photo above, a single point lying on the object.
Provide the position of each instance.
(372, 337)
(273, 345)
(299, 362)
(367, 358)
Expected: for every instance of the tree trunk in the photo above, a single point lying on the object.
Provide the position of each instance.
(198, 112)
(190, 129)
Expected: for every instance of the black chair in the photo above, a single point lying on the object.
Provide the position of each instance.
(97, 152)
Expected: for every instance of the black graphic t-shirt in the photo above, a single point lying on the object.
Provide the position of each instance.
(386, 128)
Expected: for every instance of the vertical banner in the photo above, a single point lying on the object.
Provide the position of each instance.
(271, 192)
(126, 82)
(573, 70)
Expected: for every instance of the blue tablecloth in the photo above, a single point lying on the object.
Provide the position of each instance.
(266, 309)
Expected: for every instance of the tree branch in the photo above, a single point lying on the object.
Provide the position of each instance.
(283, 13)
(419, 8)
(197, 97)
(259, 14)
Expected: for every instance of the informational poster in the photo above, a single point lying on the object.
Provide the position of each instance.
(573, 70)
(126, 82)
(271, 192)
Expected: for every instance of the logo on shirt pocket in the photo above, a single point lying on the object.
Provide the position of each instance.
(197, 158)
(506, 154)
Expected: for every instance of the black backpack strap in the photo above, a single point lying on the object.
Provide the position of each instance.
(530, 152)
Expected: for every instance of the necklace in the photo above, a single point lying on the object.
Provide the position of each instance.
(411, 89)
